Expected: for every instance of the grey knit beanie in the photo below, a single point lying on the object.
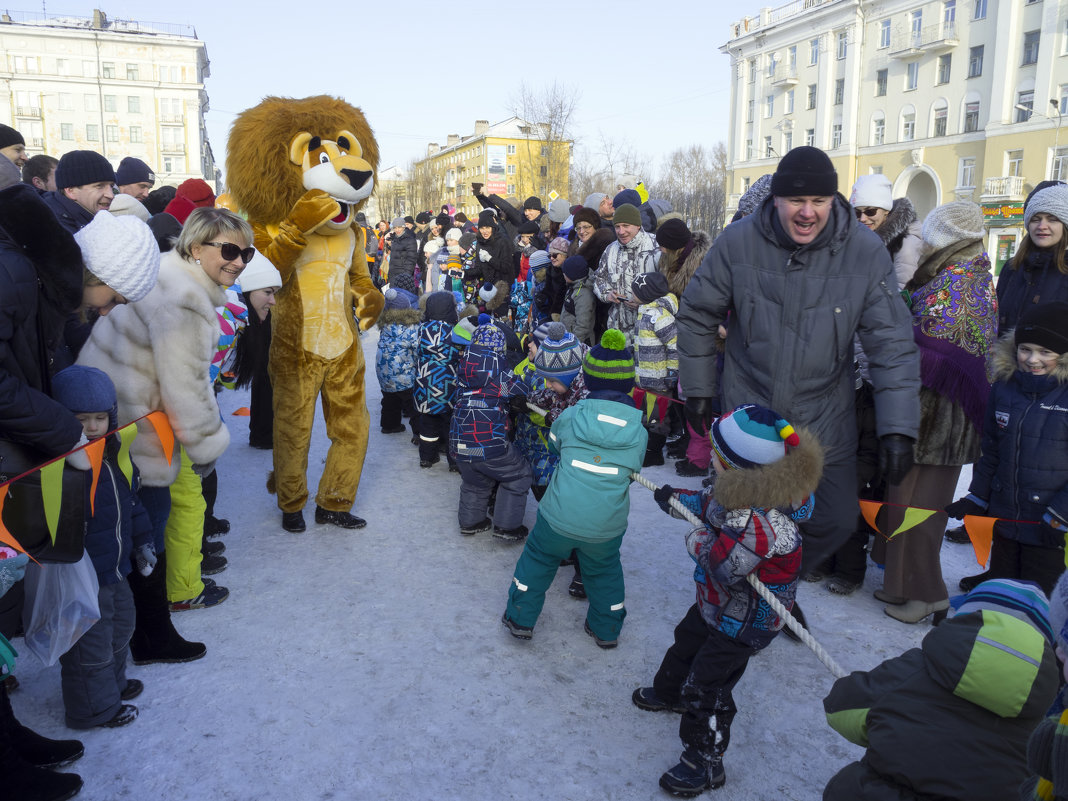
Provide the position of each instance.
(1051, 200)
(953, 223)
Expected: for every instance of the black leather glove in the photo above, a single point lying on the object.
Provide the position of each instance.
(700, 413)
(895, 457)
(662, 495)
(965, 506)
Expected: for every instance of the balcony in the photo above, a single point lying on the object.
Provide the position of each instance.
(28, 111)
(172, 148)
(1005, 187)
(37, 143)
(936, 39)
(784, 76)
(172, 118)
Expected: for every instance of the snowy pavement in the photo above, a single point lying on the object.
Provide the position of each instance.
(373, 664)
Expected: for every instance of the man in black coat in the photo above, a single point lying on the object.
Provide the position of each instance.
(85, 183)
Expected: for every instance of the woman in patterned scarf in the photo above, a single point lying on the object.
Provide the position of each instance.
(954, 318)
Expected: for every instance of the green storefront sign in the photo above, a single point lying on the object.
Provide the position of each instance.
(997, 215)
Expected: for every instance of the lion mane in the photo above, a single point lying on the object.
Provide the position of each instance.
(263, 181)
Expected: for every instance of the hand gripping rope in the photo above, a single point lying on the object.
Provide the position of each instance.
(758, 585)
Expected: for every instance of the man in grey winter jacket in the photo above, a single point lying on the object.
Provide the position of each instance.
(798, 278)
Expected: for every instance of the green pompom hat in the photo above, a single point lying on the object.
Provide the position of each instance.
(609, 365)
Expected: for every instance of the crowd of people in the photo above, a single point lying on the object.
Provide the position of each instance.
(818, 351)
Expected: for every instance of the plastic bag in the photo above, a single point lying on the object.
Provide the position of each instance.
(61, 605)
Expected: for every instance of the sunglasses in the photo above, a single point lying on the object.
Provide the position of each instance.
(557, 255)
(230, 251)
(871, 211)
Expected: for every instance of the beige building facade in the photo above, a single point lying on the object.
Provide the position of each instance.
(950, 99)
(118, 87)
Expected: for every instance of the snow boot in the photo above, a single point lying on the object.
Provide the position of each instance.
(516, 534)
(32, 748)
(155, 639)
(27, 782)
(688, 468)
(339, 519)
(517, 631)
(293, 522)
(654, 450)
(647, 699)
(694, 774)
(605, 644)
(477, 528)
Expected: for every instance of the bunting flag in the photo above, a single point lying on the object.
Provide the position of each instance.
(981, 532)
(164, 431)
(913, 517)
(52, 493)
(5, 535)
(870, 510)
(95, 451)
(244, 411)
(126, 437)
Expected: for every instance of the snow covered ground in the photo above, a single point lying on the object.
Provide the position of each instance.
(373, 664)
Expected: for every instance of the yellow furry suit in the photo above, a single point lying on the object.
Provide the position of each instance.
(300, 169)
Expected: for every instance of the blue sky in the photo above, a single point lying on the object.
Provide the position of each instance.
(423, 70)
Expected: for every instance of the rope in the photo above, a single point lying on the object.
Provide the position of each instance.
(759, 586)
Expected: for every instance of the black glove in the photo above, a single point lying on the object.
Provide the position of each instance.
(895, 457)
(700, 413)
(662, 495)
(965, 506)
(517, 404)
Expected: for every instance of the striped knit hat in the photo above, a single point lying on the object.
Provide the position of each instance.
(609, 365)
(540, 333)
(751, 436)
(559, 357)
(1058, 612)
(1023, 600)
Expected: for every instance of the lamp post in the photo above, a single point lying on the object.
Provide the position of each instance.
(1057, 135)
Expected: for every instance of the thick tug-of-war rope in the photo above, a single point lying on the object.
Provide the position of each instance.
(758, 585)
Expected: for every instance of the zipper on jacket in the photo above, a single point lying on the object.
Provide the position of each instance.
(118, 524)
(1017, 509)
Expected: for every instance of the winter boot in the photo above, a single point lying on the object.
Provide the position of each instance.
(26, 781)
(647, 699)
(517, 631)
(688, 468)
(516, 534)
(694, 774)
(339, 519)
(33, 748)
(476, 528)
(154, 638)
(654, 450)
(676, 448)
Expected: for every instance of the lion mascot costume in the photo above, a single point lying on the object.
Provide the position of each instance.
(300, 169)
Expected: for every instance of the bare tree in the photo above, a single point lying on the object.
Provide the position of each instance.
(424, 186)
(693, 182)
(612, 163)
(545, 157)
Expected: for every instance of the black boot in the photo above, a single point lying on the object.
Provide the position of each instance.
(654, 450)
(21, 779)
(155, 638)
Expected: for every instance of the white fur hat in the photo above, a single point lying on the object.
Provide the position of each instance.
(872, 190)
(121, 252)
(951, 223)
(259, 274)
(128, 204)
(1051, 200)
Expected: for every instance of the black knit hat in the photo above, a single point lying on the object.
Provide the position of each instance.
(409, 219)
(441, 306)
(133, 171)
(487, 218)
(529, 227)
(609, 365)
(1045, 325)
(647, 287)
(673, 234)
(9, 136)
(532, 202)
(575, 267)
(804, 171)
(81, 167)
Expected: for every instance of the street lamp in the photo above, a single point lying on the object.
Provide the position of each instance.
(1057, 135)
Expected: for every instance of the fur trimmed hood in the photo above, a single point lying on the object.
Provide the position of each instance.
(784, 484)
(501, 298)
(679, 276)
(1001, 364)
(897, 222)
(399, 317)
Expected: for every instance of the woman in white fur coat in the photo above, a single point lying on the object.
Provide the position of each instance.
(158, 352)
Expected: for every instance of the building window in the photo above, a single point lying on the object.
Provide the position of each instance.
(133, 104)
(748, 149)
(908, 126)
(975, 61)
(971, 117)
(875, 169)
(880, 83)
(878, 130)
(1025, 102)
(111, 103)
(544, 150)
(66, 101)
(66, 131)
(543, 171)
(111, 133)
(92, 132)
(1059, 165)
(750, 111)
(62, 66)
(884, 33)
(135, 134)
(769, 106)
(132, 72)
(173, 164)
(1014, 163)
(949, 14)
(787, 142)
(843, 44)
(967, 173)
(107, 70)
(839, 91)
(791, 56)
(912, 75)
(789, 102)
(940, 115)
(945, 64)
(767, 147)
(752, 70)
(745, 184)
(980, 9)
(810, 137)
(836, 135)
(813, 51)
(771, 65)
(511, 150)
(916, 27)
(1030, 47)
(89, 69)
(511, 169)
(1064, 99)
(811, 103)
(92, 103)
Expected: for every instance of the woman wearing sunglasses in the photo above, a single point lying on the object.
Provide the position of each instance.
(158, 352)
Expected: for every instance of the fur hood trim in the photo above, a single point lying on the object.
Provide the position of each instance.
(679, 276)
(1001, 364)
(399, 317)
(897, 222)
(783, 484)
(501, 298)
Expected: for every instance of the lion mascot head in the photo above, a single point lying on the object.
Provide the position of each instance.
(285, 146)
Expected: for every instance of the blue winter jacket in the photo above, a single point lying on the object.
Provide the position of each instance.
(119, 522)
(1022, 474)
(480, 424)
(1033, 283)
(398, 349)
(435, 378)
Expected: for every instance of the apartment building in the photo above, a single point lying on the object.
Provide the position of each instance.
(120, 87)
(950, 99)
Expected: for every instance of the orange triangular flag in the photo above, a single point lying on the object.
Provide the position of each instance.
(870, 510)
(981, 532)
(5, 535)
(244, 411)
(95, 451)
(164, 431)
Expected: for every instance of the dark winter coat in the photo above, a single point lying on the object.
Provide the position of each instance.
(119, 522)
(793, 313)
(40, 286)
(1024, 464)
(948, 720)
(480, 424)
(1034, 282)
(70, 215)
(679, 274)
(402, 256)
(435, 377)
(493, 260)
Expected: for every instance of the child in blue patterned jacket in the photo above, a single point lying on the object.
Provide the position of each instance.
(435, 377)
(395, 362)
